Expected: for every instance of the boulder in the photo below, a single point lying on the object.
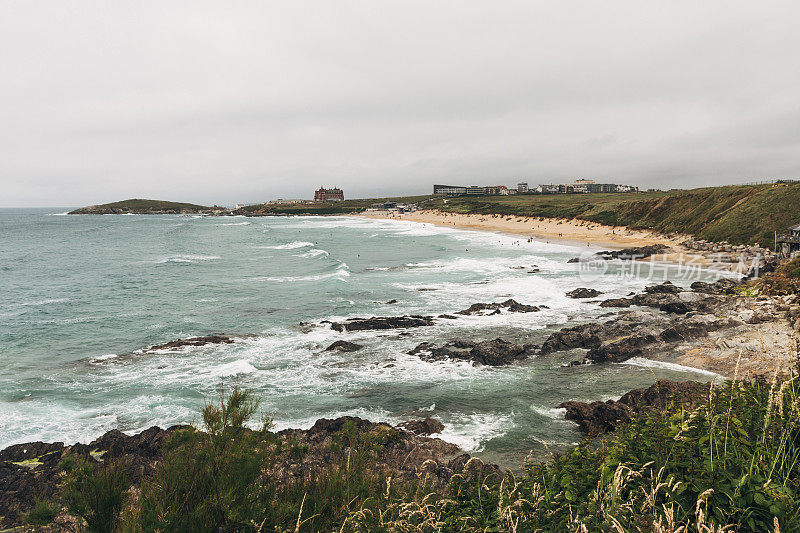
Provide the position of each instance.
(617, 302)
(512, 306)
(496, 352)
(582, 292)
(343, 346)
(425, 426)
(382, 322)
(193, 341)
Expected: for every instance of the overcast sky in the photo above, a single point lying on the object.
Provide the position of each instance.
(249, 101)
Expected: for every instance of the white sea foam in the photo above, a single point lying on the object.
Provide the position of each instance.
(314, 252)
(187, 258)
(289, 245)
(245, 223)
(342, 272)
(234, 368)
(554, 413)
(649, 363)
(102, 358)
(472, 432)
(47, 301)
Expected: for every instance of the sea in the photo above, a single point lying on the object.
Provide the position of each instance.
(84, 296)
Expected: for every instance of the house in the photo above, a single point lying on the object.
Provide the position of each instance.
(328, 195)
(789, 242)
(474, 189)
(494, 190)
(522, 187)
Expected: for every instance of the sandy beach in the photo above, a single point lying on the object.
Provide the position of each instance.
(578, 232)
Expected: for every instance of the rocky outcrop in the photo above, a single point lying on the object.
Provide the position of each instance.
(597, 418)
(381, 322)
(637, 252)
(512, 306)
(582, 292)
(617, 302)
(497, 352)
(193, 341)
(343, 346)
(425, 426)
(31, 471)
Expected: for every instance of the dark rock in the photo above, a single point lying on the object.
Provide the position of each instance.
(582, 292)
(617, 302)
(495, 352)
(638, 252)
(597, 418)
(426, 426)
(574, 260)
(382, 322)
(392, 301)
(512, 306)
(194, 341)
(448, 317)
(343, 346)
(679, 308)
(664, 288)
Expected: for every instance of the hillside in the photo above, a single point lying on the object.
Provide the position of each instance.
(329, 208)
(739, 214)
(139, 206)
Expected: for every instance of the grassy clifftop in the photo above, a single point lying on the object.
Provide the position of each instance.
(328, 208)
(741, 214)
(140, 206)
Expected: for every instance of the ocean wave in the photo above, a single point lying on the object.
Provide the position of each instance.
(187, 258)
(289, 245)
(234, 368)
(341, 272)
(245, 223)
(102, 358)
(34, 303)
(314, 252)
(554, 413)
(649, 363)
(472, 432)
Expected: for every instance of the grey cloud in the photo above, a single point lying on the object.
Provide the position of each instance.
(249, 101)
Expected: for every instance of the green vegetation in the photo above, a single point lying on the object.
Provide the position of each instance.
(732, 464)
(330, 208)
(137, 205)
(43, 513)
(739, 214)
(95, 493)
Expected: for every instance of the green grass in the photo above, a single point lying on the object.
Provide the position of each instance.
(331, 208)
(141, 205)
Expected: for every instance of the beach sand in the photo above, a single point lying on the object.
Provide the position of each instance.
(578, 232)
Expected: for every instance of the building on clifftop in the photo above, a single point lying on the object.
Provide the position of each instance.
(789, 242)
(328, 195)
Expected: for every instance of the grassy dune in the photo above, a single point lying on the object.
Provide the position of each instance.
(740, 214)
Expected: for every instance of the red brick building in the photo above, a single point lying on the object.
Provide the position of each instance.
(328, 195)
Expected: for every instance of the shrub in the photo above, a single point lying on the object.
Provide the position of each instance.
(96, 493)
(42, 513)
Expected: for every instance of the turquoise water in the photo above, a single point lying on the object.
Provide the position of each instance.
(84, 296)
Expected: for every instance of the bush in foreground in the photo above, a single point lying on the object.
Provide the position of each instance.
(729, 465)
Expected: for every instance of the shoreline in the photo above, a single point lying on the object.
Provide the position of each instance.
(560, 231)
